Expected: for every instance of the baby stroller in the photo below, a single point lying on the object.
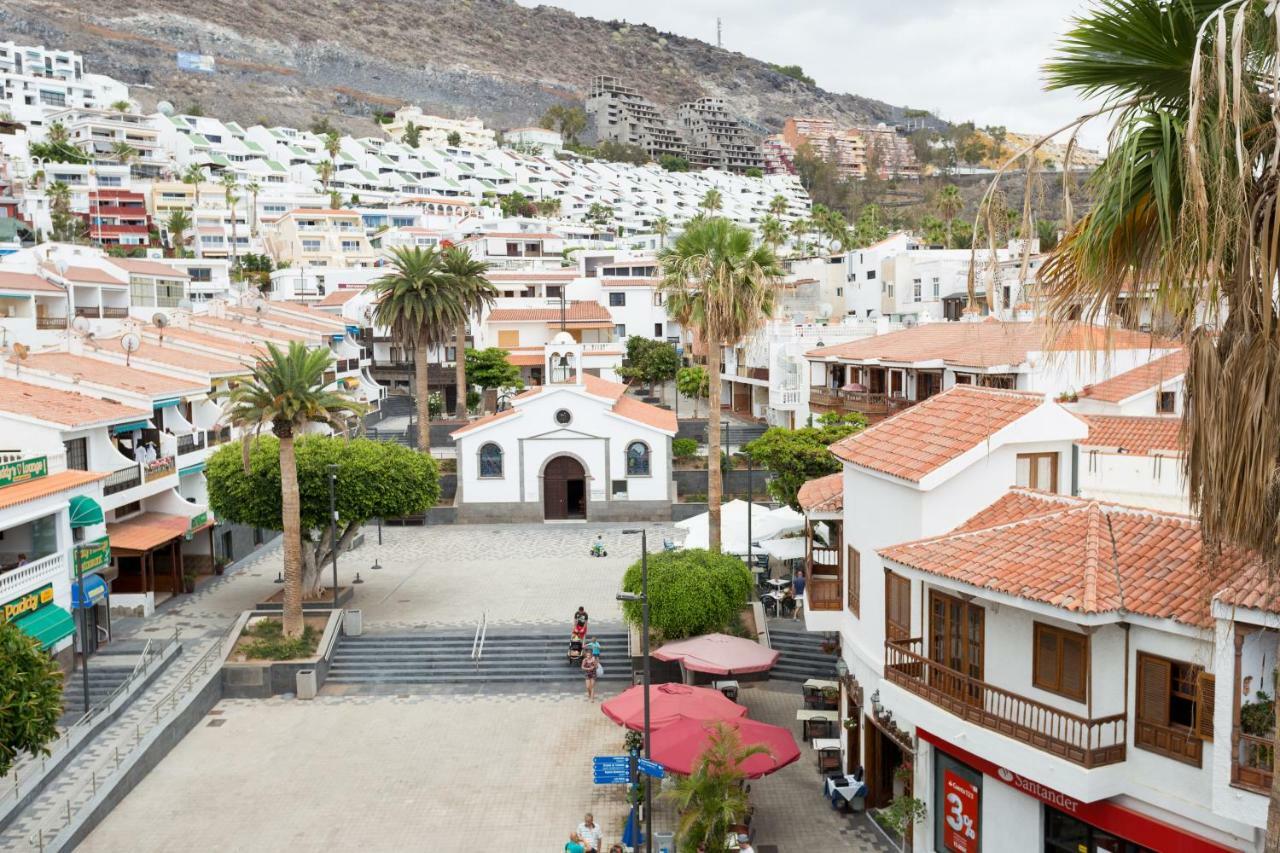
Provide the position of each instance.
(577, 638)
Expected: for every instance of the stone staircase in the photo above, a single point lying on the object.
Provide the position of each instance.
(108, 669)
(802, 656)
(512, 657)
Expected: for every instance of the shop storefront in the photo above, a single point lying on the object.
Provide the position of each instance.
(36, 615)
(962, 787)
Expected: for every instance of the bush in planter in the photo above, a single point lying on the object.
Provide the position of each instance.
(269, 642)
(684, 448)
(690, 592)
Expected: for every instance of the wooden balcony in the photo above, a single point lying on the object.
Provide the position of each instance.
(1089, 743)
(1251, 762)
(874, 406)
(50, 323)
(825, 592)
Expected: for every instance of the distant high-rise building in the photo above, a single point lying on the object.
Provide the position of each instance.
(621, 114)
(855, 151)
(716, 139)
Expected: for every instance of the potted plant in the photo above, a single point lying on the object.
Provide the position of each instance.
(831, 696)
(902, 779)
(831, 645)
(901, 815)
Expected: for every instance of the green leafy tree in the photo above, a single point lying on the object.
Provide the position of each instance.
(693, 383)
(795, 72)
(622, 152)
(286, 392)
(660, 365)
(57, 133)
(599, 213)
(684, 448)
(421, 306)
(719, 285)
(713, 798)
(691, 592)
(412, 135)
(475, 293)
(570, 121)
(772, 232)
(66, 226)
(517, 204)
(121, 106)
(489, 368)
(123, 152)
(193, 175)
(796, 456)
(376, 479)
(754, 172)
(253, 188)
(673, 163)
(178, 223)
(454, 139)
(31, 685)
(57, 152)
(778, 205)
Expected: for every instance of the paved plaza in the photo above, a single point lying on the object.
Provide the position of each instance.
(436, 768)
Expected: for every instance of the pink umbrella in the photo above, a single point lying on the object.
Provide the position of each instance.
(669, 703)
(719, 654)
(678, 746)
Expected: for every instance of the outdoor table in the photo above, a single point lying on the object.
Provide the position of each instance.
(809, 716)
(776, 597)
(779, 583)
(813, 690)
(728, 686)
(823, 747)
(820, 684)
(847, 789)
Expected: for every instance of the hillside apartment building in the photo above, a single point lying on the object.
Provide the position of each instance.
(853, 150)
(36, 82)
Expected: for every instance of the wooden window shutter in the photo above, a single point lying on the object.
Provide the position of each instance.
(1046, 659)
(854, 580)
(1205, 686)
(1075, 656)
(1153, 690)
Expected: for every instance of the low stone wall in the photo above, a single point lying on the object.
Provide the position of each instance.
(693, 481)
(264, 679)
(531, 512)
(345, 594)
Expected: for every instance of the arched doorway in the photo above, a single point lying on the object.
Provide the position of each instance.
(564, 489)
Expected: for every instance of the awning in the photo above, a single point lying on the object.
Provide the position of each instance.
(47, 625)
(95, 591)
(121, 429)
(147, 531)
(165, 404)
(191, 469)
(85, 511)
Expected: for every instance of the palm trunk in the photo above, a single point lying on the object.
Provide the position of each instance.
(292, 522)
(715, 478)
(460, 369)
(421, 381)
(1273, 807)
(948, 232)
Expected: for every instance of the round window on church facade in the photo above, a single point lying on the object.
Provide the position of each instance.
(563, 417)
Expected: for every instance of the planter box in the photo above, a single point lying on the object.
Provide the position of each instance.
(264, 679)
(345, 593)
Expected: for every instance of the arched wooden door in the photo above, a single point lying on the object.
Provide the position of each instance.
(564, 489)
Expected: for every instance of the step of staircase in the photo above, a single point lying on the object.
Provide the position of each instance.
(430, 657)
(801, 655)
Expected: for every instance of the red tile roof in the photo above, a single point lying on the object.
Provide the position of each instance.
(146, 531)
(1087, 557)
(151, 268)
(985, 344)
(68, 366)
(93, 275)
(484, 421)
(1140, 436)
(1153, 374)
(923, 438)
(825, 494)
(45, 486)
(27, 281)
(649, 415)
(624, 406)
(65, 408)
(339, 297)
(576, 311)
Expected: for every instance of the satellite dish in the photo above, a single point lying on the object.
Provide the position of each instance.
(80, 324)
(824, 310)
(21, 351)
(164, 108)
(129, 342)
(159, 320)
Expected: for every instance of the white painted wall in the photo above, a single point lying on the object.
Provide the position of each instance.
(1150, 481)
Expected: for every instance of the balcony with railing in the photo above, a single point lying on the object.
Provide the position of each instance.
(758, 373)
(216, 436)
(823, 398)
(163, 467)
(122, 479)
(32, 575)
(1088, 743)
(50, 323)
(824, 569)
(191, 443)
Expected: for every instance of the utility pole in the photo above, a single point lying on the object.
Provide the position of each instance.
(719, 41)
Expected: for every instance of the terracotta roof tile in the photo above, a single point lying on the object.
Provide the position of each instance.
(339, 297)
(65, 408)
(1140, 436)
(146, 531)
(1153, 374)
(250, 329)
(574, 312)
(92, 370)
(152, 268)
(27, 282)
(825, 494)
(93, 275)
(484, 421)
(985, 344)
(45, 486)
(241, 349)
(649, 415)
(151, 356)
(1086, 557)
(624, 406)
(923, 438)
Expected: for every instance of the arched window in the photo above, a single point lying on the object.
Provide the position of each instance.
(637, 459)
(490, 460)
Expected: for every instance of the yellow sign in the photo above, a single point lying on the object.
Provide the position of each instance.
(28, 603)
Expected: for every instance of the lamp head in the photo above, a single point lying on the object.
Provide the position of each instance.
(632, 530)
(629, 596)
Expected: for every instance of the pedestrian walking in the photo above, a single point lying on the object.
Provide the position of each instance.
(591, 669)
(590, 834)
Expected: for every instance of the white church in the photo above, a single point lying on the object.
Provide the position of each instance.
(574, 448)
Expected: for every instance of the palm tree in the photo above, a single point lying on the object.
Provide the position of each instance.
(229, 186)
(418, 302)
(325, 170)
(57, 134)
(193, 175)
(713, 797)
(285, 392)
(949, 204)
(712, 202)
(1185, 201)
(123, 152)
(121, 106)
(475, 293)
(253, 187)
(778, 205)
(720, 286)
(662, 227)
(772, 232)
(178, 223)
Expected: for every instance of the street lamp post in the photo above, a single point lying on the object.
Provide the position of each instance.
(643, 598)
(84, 634)
(751, 563)
(333, 528)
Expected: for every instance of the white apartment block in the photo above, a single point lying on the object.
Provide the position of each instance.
(435, 130)
(36, 82)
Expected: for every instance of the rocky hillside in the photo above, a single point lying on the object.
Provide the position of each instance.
(289, 61)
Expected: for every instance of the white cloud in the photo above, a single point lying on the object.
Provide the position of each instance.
(963, 60)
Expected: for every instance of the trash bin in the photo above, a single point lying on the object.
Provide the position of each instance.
(306, 684)
(664, 842)
(352, 623)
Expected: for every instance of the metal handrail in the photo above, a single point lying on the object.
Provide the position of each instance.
(151, 651)
(484, 633)
(112, 763)
(477, 642)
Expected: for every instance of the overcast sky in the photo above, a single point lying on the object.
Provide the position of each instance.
(963, 59)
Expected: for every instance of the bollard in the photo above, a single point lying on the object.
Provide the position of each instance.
(68, 812)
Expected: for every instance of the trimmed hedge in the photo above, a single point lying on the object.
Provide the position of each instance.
(691, 592)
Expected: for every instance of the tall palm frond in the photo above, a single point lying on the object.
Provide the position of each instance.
(474, 294)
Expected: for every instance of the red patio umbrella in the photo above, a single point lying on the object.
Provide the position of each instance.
(719, 654)
(669, 703)
(679, 745)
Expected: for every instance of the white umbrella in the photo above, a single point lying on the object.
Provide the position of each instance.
(788, 519)
(791, 548)
(733, 527)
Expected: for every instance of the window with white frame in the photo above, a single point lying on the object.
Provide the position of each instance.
(637, 459)
(490, 461)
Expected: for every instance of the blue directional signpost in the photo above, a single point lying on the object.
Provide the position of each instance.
(651, 768)
(611, 769)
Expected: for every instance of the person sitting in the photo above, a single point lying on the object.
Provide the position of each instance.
(575, 844)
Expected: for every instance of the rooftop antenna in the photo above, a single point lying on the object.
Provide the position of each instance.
(719, 43)
(129, 342)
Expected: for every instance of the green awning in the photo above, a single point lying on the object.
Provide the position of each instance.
(85, 511)
(191, 469)
(47, 625)
(120, 429)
